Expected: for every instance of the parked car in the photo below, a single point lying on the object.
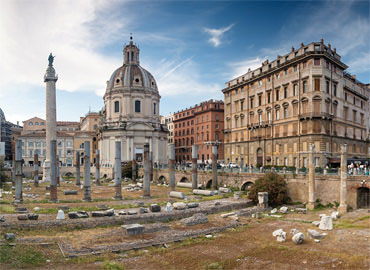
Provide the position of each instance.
(233, 165)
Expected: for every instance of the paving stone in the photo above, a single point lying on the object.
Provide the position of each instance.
(193, 205)
(22, 217)
(179, 206)
(132, 212)
(78, 214)
(143, 210)
(21, 210)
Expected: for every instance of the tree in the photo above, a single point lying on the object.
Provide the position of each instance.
(127, 170)
(276, 187)
(3, 176)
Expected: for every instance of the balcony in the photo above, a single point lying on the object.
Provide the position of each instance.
(261, 124)
(313, 115)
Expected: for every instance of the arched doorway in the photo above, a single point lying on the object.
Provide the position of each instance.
(162, 180)
(363, 197)
(246, 186)
(209, 184)
(184, 180)
(259, 157)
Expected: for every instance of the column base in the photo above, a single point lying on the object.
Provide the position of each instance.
(87, 194)
(310, 206)
(53, 193)
(18, 201)
(342, 209)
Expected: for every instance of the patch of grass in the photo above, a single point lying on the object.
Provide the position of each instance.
(215, 265)
(350, 224)
(362, 218)
(108, 265)
(47, 211)
(8, 209)
(21, 256)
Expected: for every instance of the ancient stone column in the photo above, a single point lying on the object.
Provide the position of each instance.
(87, 179)
(97, 168)
(53, 172)
(343, 180)
(311, 178)
(194, 166)
(117, 171)
(18, 172)
(214, 167)
(146, 183)
(171, 163)
(36, 170)
(134, 176)
(78, 171)
(57, 170)
(151, 166)
(50, 79)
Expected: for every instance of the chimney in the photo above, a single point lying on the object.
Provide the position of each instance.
(322, 41)
(292, 49)
(354, 77)
(329, 46)
(335, 50)
(302, 45)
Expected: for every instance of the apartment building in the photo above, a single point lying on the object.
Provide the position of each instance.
(198, 125)
(273, 113)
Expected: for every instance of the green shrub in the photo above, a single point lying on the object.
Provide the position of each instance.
(3, 176)
(112, 266)
(276, 187)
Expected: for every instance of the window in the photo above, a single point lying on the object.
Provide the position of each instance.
(42, 123)
(335, 90)
(241, 105)
(277, 114)
(30, 123)
(277, 95)
(295, 68)
(317, 48)
(285, 92)
(216, 118)
(345, 98)
(269, 97)
(317, 84)
(316, 61)
(327, 87)
(116, 106)
(304, 86)
(260, 118)
(269, 116)
(304, 64)
(251, 102)
(30, 144)
(137, 106)
(154, 108)
(285, 112)
(259, 100)
(36, 123)
(277, 75)
(217, 126)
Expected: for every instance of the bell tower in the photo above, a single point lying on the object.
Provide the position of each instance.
(131, 53)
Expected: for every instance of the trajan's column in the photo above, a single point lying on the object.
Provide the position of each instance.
(50, 79)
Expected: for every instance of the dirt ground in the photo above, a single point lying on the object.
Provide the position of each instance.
(250, 246)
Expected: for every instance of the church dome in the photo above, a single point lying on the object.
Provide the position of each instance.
(131, 74)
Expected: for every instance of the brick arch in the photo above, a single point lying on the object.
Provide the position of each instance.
(67, 174)
(184, 179)
(246, 185)
(209, 184)
(162, 179)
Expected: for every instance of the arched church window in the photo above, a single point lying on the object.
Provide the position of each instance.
(154, 108)
(116, 106)
(128, 57)
(132, 56)
(137, 106)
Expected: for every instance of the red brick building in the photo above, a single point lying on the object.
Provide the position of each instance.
(197, 125)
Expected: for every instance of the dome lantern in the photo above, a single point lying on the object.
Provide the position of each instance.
(131, 53)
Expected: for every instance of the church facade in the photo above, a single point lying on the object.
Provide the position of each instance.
(131, 113)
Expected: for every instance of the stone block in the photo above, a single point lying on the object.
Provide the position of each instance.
(227, 214)
(185, 185)
(179, 206)
(133, 229)
(224, 190)
(263, 199)
(61, 215)
(301, 210)
(193, 205)
(70, 192)
(313, 234)
(283, 210)
(9, 236)
(98, 214)
(32, 216)
(316, 223)
(143, 210)
(203, 192)
(2, 219)
(177, 194)
(22, 217)
(326, 223)
(78, 214)
(21, 210)
(280, 235)
(298, 238)
(274, 211)
(155, 208)
(194, 220)
(169, 207)
(132, 212)
(335, 215)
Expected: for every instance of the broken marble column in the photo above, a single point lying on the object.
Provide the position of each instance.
(18, 172)
(343, 180)
(171, 163)
(78, 171)
(214, 167)
(194, 168)
(134, 176)
(263, 199)
(117, 171)
(87, 179)
(57, 170)
(97, 168)
(326, 223)
(311, 179)
(146, 183)
(36, 170)
(53, 172)
(151, 166)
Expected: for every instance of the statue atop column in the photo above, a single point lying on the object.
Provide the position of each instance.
(51, 59)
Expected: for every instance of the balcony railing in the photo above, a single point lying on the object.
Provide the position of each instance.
(311, 115)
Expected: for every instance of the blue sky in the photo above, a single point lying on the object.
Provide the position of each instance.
(191, 47)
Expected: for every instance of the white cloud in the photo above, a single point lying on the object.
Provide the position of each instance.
(72, 30)
(216, 34)
(241, 67)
